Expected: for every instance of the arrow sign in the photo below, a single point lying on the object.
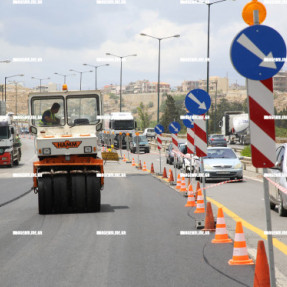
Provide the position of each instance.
(197, 102)
(249, 45)
(159, 129)
(174, 127)
(189, 123)
(258, 52)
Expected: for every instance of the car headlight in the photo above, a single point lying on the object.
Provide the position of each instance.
(207, 167)
(46, 151)
(87, 149)
(239, 165)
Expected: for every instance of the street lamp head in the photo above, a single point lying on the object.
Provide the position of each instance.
(72, 70)
(176, 36)
(21, 75)
(107, 64)
(91, 71)
(108, 54)
(85, 64)
(142, 34)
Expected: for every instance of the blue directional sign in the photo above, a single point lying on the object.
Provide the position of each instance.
(174, 127)
(189, 123)
(258, 52)
(197, 102)
(159, 129)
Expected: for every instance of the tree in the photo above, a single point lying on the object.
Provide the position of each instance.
(170, 113)
(144, 117)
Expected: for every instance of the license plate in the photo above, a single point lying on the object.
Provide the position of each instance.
(223, 172)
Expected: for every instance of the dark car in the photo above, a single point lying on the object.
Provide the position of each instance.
(169, 154)
(217, 140)
(24, 131)
(143, 144)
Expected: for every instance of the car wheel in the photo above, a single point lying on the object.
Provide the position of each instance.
(281, 210)
(272, 205)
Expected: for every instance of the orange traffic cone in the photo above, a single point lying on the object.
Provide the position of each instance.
(183, 185)
(164, 173)
(151, 169)
(261, 276)
(220, 232)
(190, 197)
(200, 203)
(133, 162)
(178, 182)
(197, 189)
(209, 219)
(124, 159)
(170, 179)
(144, 167)
(240, 255)
(140, 165)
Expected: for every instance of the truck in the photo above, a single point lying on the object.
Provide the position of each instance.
(68, 175)
(10, 144)
(119, 124)
(235, 126)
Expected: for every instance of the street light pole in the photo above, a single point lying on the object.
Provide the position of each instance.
(121, 72)
(19, 75)
(40, 79)
(81, 73)
(96, 72)
(158, 82)
(64, 76)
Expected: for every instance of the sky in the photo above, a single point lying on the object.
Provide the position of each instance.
(59, 35)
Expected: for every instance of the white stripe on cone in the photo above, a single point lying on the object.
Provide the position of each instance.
(240, 251)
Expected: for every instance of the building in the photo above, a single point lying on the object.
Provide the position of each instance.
(221, 83)
(280, 82)
(141, 87)
(187, 86)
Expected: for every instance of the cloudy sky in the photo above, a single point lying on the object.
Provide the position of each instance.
(67, 33)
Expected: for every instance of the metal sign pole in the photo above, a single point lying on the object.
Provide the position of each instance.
(138, 149)
(128, 148)
(203, 184)
(120, 144)
(269, 228)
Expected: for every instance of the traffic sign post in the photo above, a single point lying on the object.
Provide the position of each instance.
(159, 130)
(200, 143)
(174, 128)
(128, 147)
(189, 123)
(258, 52)
(197, 102)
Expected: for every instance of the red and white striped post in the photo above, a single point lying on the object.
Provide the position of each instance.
(190, 141)
(200, 142)
(159, 147)
(262, 130)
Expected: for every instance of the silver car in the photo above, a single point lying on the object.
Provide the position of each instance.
(221, 162)
(276, 196)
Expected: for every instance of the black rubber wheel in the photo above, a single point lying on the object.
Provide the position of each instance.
(272, 205)
(281, 210)
(45, 200)
(93, 185)
(78, 192)
(17, 161)
(61, 193)
(12, 160)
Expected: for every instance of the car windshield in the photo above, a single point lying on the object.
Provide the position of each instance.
(217, 137)
(122, 124)
(150, 130)
(220, 153)
(4, 133)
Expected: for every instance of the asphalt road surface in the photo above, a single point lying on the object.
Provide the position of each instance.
(146, 216)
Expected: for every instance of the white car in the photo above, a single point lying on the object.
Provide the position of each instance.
(149, 133)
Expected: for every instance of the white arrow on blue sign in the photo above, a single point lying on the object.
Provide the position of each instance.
(197, 101)
(189, 123)
(159, 129)
(258, 52)
(174, 127)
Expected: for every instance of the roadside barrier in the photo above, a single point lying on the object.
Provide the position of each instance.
(281, 188)
(240, 254)
(261, 275)
(200, 203)
(221, 235)
(209, 219)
